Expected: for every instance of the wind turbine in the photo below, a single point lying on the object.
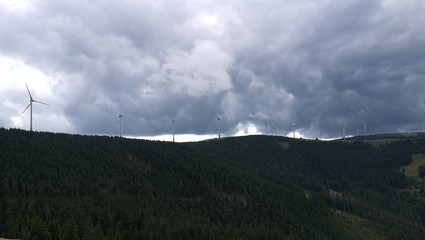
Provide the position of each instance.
(364, 128)
(219, 126)
(343, 129)
(293, 126)
(120, 117)
(173, 122)
(30, 105)
(267, 130)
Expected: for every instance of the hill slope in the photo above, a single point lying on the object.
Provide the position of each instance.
(58, 186)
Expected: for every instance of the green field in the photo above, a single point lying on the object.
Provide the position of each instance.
(285, 145)
(357, 226)
(379, 143)
(411, 170)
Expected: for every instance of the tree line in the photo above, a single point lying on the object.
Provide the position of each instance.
(60, 186)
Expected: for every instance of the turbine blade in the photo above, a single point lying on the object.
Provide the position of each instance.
(29, 93)
(40, 102)
(27, 107)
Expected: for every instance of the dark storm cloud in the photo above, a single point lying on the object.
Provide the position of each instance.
(315, 64)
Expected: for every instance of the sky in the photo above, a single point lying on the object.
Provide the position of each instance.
(262, 66)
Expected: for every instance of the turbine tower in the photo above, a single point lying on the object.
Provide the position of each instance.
(293, 127)
(30, 105)
(267, 130)
(219, 126)
(120, 117)
(343, 129)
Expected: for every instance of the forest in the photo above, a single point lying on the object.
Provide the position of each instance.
(62, 186)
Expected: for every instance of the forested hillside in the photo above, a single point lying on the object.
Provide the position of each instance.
(59, 186)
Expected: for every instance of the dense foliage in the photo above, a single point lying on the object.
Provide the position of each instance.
(59, 186)
(421, 171)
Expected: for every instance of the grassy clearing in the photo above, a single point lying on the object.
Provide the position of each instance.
(335, 194)
(411, 170)
(285, 145)
(379, 143)
(356, 226)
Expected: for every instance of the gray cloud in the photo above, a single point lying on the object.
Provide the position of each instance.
(313, 63)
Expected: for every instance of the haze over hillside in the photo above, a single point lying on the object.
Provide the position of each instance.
(60, 186)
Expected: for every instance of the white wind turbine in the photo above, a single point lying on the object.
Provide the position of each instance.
(30, 105)
(343, 129)
(120, 117)
(293, 128)
(173, 122)
(364, 128)
(219, 126)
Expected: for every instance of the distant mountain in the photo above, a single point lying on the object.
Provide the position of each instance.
(60, 186)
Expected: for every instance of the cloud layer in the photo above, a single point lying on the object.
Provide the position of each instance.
(315, 64)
